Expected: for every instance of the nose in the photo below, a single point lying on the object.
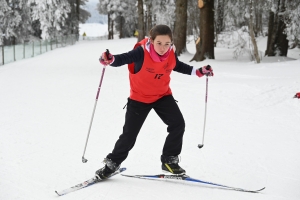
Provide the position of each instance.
(162, 48)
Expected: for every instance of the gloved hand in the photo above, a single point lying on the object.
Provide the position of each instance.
(297, 95)
(205, 70)
(106, 58)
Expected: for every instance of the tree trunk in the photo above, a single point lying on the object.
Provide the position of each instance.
(205, 44)
(141, 29)
(282, 43)
(112, 30)
(180, 26)
(270, 33)
(121, 27)
(220, 16)
(149, 18)
(78, 17)
(257, 20)
(110, 37)
(255, 50)
(274, 30)
(277, 39)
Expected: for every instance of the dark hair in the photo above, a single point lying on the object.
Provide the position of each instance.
(160, 30)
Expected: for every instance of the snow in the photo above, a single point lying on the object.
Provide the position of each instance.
(93, 29)
(251, 138)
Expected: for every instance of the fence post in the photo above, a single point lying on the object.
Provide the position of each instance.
(14, 49)
(23, 49)
(32, 49)
(64, 41)
(3, 54)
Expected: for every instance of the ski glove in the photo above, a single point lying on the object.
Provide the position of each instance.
(205, 70)
(106, 58)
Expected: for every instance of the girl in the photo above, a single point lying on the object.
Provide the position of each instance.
(150, 64)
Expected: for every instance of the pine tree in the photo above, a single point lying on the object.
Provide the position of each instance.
(75, 16)
(291, 19)
(10, 20)
(5, 30)
(108, 7)
(126, 19)
(52, 16)
(164, 12)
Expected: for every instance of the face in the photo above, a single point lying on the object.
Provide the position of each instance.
(161, 44)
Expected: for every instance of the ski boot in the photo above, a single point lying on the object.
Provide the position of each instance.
(109, 168)
(170, 164)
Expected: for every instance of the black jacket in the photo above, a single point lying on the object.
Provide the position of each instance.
(136, 56)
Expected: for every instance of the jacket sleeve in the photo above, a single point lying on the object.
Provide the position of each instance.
(135, 55)
(182, 67)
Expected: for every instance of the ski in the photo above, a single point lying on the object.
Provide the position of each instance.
(189, 179)
(86, 183)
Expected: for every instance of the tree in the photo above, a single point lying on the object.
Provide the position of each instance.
(121, 16)
(83, 14)
(291, 19)
(15, 20)
(164, 12)
(75, 16)
(205, 42)
(125, 21)
(193, 20)
(251, 31)
(219, 16)
(4, 20)
(104, 7)
(108, 7)
(140, 27)
(277, 39)
(234, 12)
(51, 14)
(148, 20)
(180, 26)
(258, 17)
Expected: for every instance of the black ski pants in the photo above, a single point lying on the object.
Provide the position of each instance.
(137, 112)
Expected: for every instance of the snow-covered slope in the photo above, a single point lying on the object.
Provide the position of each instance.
(251, 140)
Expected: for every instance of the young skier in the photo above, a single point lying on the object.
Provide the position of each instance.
(150, 64)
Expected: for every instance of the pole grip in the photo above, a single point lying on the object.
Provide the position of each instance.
(107, 54)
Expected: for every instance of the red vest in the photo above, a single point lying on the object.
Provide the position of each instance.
(152, 81)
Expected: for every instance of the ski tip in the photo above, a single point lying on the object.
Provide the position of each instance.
(122, 169)
(57, 193)
(133, 176)
(261, 189)
(255, 191)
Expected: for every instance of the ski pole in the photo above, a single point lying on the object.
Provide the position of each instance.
(84, 160)
(201, 145)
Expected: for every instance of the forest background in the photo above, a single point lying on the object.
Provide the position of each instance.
(210, 22)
